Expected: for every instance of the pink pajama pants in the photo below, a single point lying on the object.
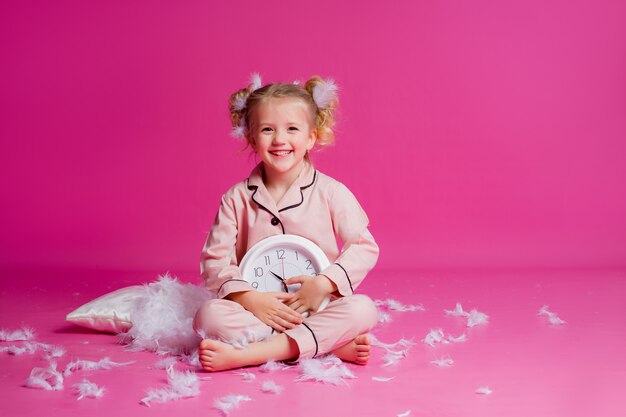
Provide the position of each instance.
(339, 323)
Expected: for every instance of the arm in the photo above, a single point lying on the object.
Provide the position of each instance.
(359, 252)
(219, 268)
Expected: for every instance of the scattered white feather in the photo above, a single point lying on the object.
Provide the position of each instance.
(457, 339)
(192, 359)
(228, 403)
(402, 343)
(180, 385)
(327, 369)
(405, 414)
(162, 317)
(553, 318)
(484, 391)
(271, 366)
(48, 379)
(458, 311)
(105, 363)
(435, 336)
(24, 349)
(381, 379)
(476, 318)
(383, 317)
(393, 357)
(250, 336)
(23, 334)
(325, 93)
(395, 305)
(271, 387)
(255, 81)
(166, 362)
(247, 376)
(87, 389)
(443, 362)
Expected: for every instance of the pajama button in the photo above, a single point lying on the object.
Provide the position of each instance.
(275, 221)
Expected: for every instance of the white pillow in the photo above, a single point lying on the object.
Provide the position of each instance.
(109, 313)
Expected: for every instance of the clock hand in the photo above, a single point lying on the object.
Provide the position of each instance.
(281, 280)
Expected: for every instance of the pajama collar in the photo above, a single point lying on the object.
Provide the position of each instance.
(293, 198)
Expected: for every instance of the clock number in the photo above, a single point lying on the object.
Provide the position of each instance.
(258, 272)
(255, 285)
(296, 254)
(267, 260)
(280, 253)
(308, 264)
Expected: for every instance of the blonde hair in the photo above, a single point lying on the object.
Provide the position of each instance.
(244, 102)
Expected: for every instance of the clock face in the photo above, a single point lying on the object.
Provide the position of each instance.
(272, 261)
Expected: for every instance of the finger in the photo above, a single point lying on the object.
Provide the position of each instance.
(281, 295)
(295, 305)
(296, 280)
(290, 315)
(284, 323)
(302, 309)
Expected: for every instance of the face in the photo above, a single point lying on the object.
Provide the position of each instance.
(282, 136)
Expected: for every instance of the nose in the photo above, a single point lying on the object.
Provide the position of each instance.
(279, 137)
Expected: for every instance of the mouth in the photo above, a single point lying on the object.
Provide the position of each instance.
(280, 153)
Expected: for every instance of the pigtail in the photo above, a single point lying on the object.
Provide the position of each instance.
(324, 95)
(239, 107)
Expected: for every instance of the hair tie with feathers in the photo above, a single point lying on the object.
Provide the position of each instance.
(325, 93)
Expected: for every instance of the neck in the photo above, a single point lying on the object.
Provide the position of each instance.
(279, 182)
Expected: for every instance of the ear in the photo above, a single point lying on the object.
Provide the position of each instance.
(311, 139)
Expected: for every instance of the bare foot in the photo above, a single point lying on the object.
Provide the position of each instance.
(357, 351)
(218, 356)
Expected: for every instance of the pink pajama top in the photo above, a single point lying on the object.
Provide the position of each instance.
(316, 207)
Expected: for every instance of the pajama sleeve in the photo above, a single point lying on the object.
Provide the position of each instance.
(359, 251)
(218, 261)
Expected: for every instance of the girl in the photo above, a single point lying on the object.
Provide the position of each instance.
(285, 194)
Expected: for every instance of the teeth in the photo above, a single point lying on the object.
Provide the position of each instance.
(280, 153)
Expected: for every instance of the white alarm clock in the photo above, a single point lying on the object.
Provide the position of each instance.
(273, 260)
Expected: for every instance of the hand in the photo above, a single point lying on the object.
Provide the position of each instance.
(311, 293)
(269, 308)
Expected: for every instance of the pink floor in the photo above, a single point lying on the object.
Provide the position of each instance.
(533, 368)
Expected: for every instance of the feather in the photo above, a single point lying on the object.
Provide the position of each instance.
(327, 369)
(271, 366)
(484, 391)
(434, 336)
(23, 334)
(553, 318)
(166, 362)
(383, 316)
(405, 414)
(458, 339)
(240, 103)
(238, 132)
(162, 317)
(87, 389)
(271, 387)
(247, 376)
(476, 317)
(393, 357)
(458, 311)
(48, 379)
(104, 363)
(228, 403)
(443, 362)
(192, 359)
(381, 379)
(255, 81)
(325, 93)
(179, 385)
(395, 305)
(399, 344)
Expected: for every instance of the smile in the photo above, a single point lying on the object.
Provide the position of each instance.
(280, 153)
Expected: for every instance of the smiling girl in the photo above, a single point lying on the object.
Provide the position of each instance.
(285, 194)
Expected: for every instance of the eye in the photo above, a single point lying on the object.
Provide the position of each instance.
(266, 129)
(293, 129)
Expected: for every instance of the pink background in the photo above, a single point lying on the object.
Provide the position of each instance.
(474, 133)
